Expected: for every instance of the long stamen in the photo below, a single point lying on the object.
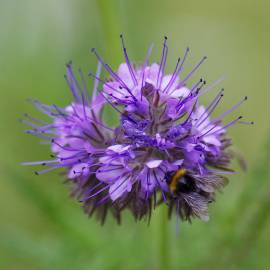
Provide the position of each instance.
(246, 123)
(193, 70)
(85, 90)
(211, 86)
(96, 81)
(162, 62)
(33, 119)
(36, 134)
(196, 85)
(44, 162)
(130, 68)
(192, 110)
(28, 123)
(215, 103)
(104, 83)
(42, 108)
(146, 62)
(178, 71)
(95, 194)
(209, 107)
(149, 52)
(92, 188)
(47, 170)
(184, 60)
(113, 74)
(172, 78)
(227, 112)
(73, 84)
(226, 126)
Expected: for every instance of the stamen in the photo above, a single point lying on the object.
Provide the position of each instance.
(162, 62)
(95, 194)
(193, 70)
(146, 63)
(28, 123)
(130, 68)
(192, 110)
(60, 111)
(70, 80)
(178, 71)
(64, 147)
(35, 119)
(196, 85)
(33, 133)
(83, 104)
(113, 74)
(94, 94)
(184, 60)
(85, 89)
(209, 107)
(214, 103)
(47, 170)
(172, 78)
(105, 83)
(44, 162)
(226, 126)
(228, 112)
(42, 107)
(211, 86)
(93, 188)
(246, 123)
(163, 55)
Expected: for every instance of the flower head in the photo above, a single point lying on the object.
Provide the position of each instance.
(165, 148)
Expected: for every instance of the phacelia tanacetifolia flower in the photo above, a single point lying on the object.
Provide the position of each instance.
(165, 148)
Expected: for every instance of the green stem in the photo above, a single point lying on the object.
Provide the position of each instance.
(164, 240)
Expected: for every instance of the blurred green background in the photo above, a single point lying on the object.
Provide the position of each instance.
(40, 226)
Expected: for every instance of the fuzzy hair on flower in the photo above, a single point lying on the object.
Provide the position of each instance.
(165, 149)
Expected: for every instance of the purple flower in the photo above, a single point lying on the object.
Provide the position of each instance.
(165, 149)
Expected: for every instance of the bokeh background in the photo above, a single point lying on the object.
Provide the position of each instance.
(40, 226)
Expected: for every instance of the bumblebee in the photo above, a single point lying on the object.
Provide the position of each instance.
(180, 182)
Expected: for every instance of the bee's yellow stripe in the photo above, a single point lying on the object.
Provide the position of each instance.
(180, 173)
